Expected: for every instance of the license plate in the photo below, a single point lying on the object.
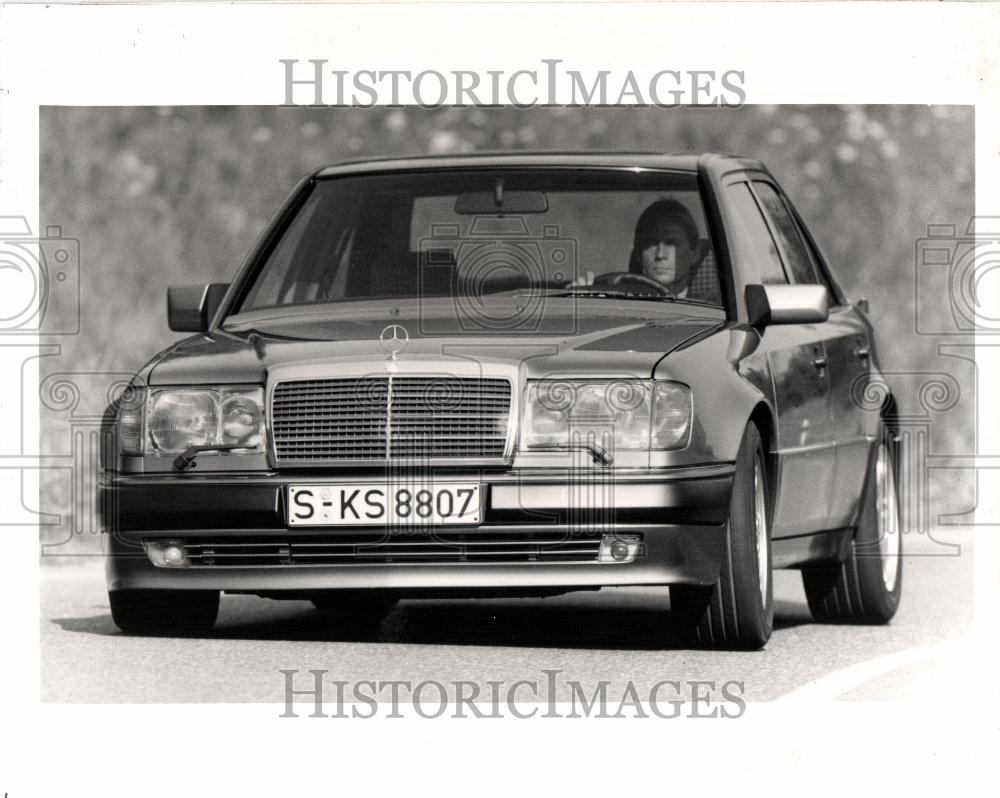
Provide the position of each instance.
(380, 505)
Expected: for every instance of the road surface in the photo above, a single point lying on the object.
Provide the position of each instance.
(615, 635)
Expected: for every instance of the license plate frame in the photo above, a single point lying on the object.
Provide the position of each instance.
(357, 504)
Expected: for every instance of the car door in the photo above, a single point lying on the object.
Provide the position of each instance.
(798, 363)
(847, 343)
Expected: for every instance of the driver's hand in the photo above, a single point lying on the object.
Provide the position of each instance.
(584, 279)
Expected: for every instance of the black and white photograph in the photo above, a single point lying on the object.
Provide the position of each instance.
(394, 393)
(462, 395)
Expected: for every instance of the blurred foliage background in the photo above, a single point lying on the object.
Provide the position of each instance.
(166, 195)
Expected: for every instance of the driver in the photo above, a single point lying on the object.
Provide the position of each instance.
(665, 246)
(667, 249)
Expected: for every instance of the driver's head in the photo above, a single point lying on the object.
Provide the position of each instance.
(666, 244)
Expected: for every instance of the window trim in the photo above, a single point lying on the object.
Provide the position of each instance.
(745, 178)
(773, 226)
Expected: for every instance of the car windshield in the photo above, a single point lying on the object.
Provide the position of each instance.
(485, 236)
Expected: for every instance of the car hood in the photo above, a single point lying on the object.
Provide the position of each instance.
(593, 337)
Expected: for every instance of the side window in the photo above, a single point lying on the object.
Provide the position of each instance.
(800, 264)
(754, 248)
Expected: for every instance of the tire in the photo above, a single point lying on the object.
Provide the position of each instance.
(355, 609)
(866, 586)
(737, 611)
(163, 611)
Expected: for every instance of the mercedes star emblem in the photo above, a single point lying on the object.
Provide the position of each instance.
(394, 339)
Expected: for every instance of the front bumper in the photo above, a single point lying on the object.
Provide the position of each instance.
(679, 513)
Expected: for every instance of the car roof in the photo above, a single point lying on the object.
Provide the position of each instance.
(677, 161)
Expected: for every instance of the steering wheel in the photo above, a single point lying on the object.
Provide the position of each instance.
(617, 279)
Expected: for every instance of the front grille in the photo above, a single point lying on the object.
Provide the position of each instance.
(376, 548)
(390, 418)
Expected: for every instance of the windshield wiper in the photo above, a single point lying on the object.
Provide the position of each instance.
(600, 455)
(601, 292)
(186, 459)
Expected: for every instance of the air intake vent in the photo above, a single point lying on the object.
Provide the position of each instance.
(377, 548)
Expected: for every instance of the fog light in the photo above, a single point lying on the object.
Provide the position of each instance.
(166, 554)
(619, 548)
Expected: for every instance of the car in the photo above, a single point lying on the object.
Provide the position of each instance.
(513, 375)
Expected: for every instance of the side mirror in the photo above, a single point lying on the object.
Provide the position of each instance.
(191, 308)
(786, 304)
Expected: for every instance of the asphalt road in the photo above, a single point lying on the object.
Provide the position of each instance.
(614, 634)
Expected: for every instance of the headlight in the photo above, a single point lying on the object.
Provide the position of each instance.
(617, 415)
(241, 416)
(178, 418)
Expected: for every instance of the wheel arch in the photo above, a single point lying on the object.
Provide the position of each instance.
(763, 418)
(890, 412)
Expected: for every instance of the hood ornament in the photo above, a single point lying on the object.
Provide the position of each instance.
(394, 339)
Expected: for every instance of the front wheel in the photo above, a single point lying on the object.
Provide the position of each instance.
(737, 610)
(866, 586)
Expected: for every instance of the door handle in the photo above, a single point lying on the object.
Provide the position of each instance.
(820, 362)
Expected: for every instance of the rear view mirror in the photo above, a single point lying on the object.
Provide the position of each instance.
(786, 304)
(191, 308)
(474, 203)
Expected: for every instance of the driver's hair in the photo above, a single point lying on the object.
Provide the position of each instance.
(649, 223)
